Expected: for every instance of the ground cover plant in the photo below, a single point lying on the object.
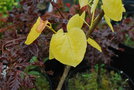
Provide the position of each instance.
(110, 80)
(68, 34)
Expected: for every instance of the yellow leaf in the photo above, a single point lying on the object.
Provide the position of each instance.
(76, 21)
(107, 19)
(94, 44)
(83, 3)
(94, 5)
(59, 34)
(113, 9)
(36, 30)
(42, 25)
(50, 54)
(69, 48)
(124, 10)
(83, 15)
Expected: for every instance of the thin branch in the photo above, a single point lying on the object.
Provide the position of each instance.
(53, 4)
(65, 73)
(96, 22)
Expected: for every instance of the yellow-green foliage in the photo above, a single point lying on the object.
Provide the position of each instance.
(88, 81)
(6, 5)
(42, 83)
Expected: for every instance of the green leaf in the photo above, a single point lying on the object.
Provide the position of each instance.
(30, 67)
(46, 59)
(35, 73)
(94, 44)
(34, 59)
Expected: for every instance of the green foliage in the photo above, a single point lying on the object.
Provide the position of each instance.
(128, 41)
(34, 59)
(41, 81)
(88, 81)
(6, 5)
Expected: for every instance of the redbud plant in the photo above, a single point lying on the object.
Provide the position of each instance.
(69, 47)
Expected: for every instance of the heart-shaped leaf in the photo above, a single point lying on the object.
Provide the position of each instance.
(113, 9)
(68, 48)
(76, 21)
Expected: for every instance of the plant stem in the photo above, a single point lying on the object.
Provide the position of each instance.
(65, 73)
(67, 68)
(50, 27)
(96, 22)
(57, 9)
